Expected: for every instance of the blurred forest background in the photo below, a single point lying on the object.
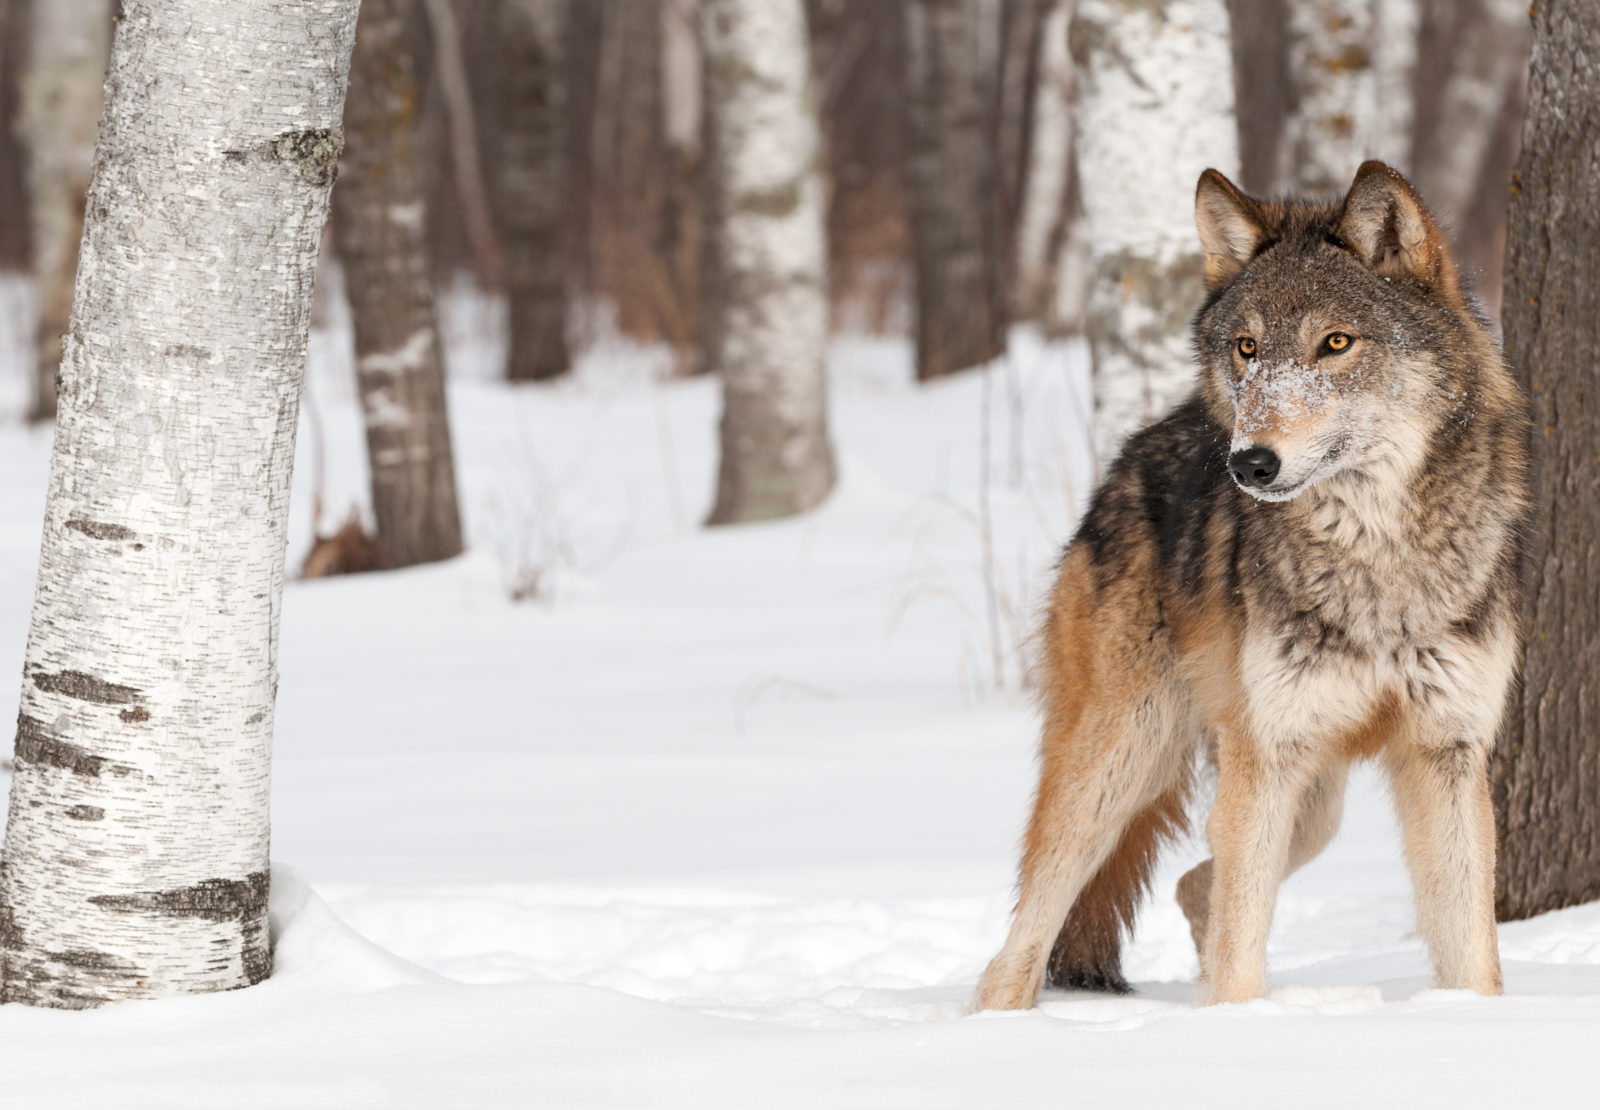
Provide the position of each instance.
(564, 157)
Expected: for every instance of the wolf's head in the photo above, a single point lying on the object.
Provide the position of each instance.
(1336, 333)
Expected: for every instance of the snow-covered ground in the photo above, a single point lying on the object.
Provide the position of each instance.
(727, 818)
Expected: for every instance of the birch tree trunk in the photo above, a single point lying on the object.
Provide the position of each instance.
(1333, 118)
(136, 848)
(765, 226)
(1546, 776)
(960, 309)
(1395, 28)
(1049, 236)
(529, 183)
(382, 243)
(1155, 108)
(60, 108)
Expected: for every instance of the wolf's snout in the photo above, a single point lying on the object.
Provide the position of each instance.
(1254, 467)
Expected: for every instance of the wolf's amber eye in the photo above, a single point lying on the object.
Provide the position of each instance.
(1247, 347)
(1336, 342)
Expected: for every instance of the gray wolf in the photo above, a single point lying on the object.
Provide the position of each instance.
(1317, 559)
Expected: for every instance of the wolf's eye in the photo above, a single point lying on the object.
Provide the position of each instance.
(1336, 343)
(1247, 347)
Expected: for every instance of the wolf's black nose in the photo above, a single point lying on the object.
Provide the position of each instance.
(1256, 466)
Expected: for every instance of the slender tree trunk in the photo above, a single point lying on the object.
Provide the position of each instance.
(766, 230)
(1047, 227)
(14, 252)
(136, 849)
(382, 242)
(1017, 25)
(1395, 28)
(461, 123)
(529, 183)
(1260, 39)
(60, 108)
(960, 296)
(1546, 774)
(1155, 108)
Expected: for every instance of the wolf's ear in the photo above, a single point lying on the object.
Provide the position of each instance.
(1385, 222)
(1231, 227)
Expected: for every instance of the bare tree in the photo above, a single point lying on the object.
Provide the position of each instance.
(382, 242)
(960, 294)
(60, 108)
(136, 848)
(1546, 779)
(1154, 76)
(529, 182)
(765, 227)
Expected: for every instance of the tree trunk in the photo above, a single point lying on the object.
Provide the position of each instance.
(136, 849)
(1546, 775)
(60, 107)
(14, 252)
(1333, 118)
(529, 183)
(1465, 152)
(1395, 28)
(960, 318)
(1155, 108)
(1260, 39)
(1018, 25)
(382, 242)
(461, 123)
(765, 226)
(1048, 284)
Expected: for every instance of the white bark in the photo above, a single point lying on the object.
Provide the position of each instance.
(765, 225)
(1155, 108)
(1044, 193)
(680, 75)
(136, 848)
(59, 110)
(1350, 62)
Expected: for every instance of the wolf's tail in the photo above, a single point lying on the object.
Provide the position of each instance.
(1088, 953)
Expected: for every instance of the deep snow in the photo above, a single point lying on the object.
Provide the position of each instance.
(727, 818)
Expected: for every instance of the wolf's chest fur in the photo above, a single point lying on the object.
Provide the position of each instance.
(1358, 601)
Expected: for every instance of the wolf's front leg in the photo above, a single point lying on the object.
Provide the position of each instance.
(1250, 831)
(1447, 821)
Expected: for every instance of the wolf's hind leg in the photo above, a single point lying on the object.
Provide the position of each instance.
(1447, 823)
(1096, 777)
(1088, 952)
(1321, 807)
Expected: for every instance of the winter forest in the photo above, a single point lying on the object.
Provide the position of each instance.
(535, 569)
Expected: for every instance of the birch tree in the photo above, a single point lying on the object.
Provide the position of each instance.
(765, 226)
(1051, 269)
(136, 847)
(1155, 108)
(960, 298)
(1546, 790)
(529, 182)
(60, 107)
(382, 243)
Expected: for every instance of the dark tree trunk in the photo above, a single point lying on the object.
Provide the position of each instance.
(529, 183)
(1261, 86)
(13, 197)
(1547, 767)
(382, 242)
(959, 290)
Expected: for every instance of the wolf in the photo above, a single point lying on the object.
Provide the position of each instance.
(1317, 559)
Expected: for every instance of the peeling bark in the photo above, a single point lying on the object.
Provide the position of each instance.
(1153, 75)
(136, 844)
(382, 241)
(530, 182)
(1545, 771)
(960, 294)
(765, 228)
(59, 108)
